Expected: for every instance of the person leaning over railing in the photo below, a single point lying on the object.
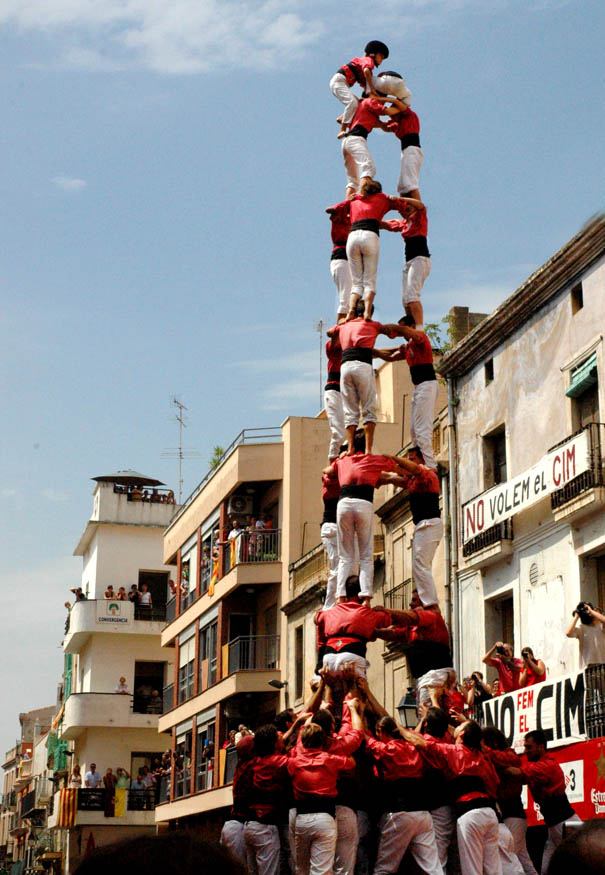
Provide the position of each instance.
(590, 633)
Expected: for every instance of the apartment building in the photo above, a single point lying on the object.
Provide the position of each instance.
(107, 639)
(241, 623)
(527, 401)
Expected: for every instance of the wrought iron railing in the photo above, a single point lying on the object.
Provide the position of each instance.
(398, 598)
(595, 700)
(255, 652)
(500, 532)
(28, 803)
(168, 698)
(155, 613)
(96, 800)
(589, 479)
(263, 545)
(171, 609)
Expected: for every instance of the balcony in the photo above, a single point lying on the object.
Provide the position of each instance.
(111, 617)
(255, 653)
(585, 495)
(168, 698)
(24, 774)
(492, 545)
(108, 710)
(9, 800)
(398, 598)
(139, 810)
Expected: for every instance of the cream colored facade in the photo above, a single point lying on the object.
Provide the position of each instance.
(107, 639)
(508, 381)
(262, 605)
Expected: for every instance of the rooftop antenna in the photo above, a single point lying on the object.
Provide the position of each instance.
(178, 452)
(319, 327)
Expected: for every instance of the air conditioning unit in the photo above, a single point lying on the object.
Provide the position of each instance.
(240, 505)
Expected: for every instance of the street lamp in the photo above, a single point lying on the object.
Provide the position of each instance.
(280, 685)
(407, 709)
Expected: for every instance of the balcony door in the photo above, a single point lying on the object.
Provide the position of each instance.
(148, 687)
(241, 642)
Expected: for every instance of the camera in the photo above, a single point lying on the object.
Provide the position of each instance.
(500, 650)
(582, 612)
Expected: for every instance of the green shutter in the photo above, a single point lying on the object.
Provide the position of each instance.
(583, 377)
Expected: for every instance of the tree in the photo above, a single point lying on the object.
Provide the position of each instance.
(434, 331)
(217, 454)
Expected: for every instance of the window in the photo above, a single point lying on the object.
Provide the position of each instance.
(182, 759)
(208, 654)
(148, 686)
(577, 299)
(299, 662)
(583, 389)
(494, 458)
(186, 668)
(489, 371)
(601, 582)
(204, 770)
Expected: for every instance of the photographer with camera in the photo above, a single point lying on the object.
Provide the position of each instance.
(590, 633)
(534, 670)
(478, 690)
(509, 669)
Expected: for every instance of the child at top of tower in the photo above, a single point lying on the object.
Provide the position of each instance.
(406, 127)
(357, 70)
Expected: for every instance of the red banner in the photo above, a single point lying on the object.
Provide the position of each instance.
(584, 768)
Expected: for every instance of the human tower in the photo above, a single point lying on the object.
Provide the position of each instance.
(342, 787)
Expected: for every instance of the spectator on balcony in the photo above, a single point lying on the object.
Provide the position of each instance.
(121, 595)
(133, 595)
(496, 691)
(80, 596)
(172, 586)
(508, 667)
(137, 793)
(145, 596)
(479, 691)
(242, 732)
(154, 705)
(230, 740)
(75, 779)
(590, 633)
(92, 778)
(109, 593)
(235, 542)
(109, 780)
(122, 779)
(534, 670)
(122, 687)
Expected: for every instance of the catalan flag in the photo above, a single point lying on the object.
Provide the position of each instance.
(233, 552)
(120, 802)
(68, 807)
(214, 577)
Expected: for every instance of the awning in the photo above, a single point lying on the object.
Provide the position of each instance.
(583, 377)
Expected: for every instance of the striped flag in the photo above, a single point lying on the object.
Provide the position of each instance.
(214, 577)
(120, 802)
(233, 552)
(68, 807)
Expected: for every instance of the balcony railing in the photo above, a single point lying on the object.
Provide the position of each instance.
(257, 652)
(164, 792)
(154, 613)
(398, 598)
(591, 478)
(500, 532)
(171, 609)
(313, 567)
(269, 435)
(137, 800)
(9, 800)
(168, 698)
(154, 495)
(251, 547)
(28, 804)
(595, 700)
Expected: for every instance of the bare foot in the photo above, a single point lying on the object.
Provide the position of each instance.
(341, 134)
(339, 119)
(351, 451)
(350, 315)
(366, 601)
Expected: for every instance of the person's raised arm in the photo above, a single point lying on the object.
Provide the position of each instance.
(572, 625)
(314, 701)
(412, 737)
(373, 703)
(488, 658)
(597, 614)
(329, 471)
(356, 710)
(396, 354)
(401, 203)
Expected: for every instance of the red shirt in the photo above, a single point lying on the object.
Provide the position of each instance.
(367, 115)
(349, 617)
(358, 332)
(405, 122)
(397, 758)
(373, 206)
(341, 223)
(419, 352)
(330, 487)
(510, 786)
(315, 772)
(454, 700)
(425, 481)
(270, 778)
(533, 678)
(334, 354)
(354, 70)
(509, 678)
(431, 627)
(457, 760)
(545, 778)
(362, 469)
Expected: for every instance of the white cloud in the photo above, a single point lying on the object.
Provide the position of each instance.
(8, 493)
(54, 495)
(192, 36)
(69, 183)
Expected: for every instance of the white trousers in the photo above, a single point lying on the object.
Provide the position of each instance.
(506, 848)
(358, 161)
(329, 538)
(427, 535)
(337, 662)
(341, 274)
(340, 90)
(435, 679)
(478, 842)
(355, 521)
(443, 824)
(400, 830)
(314, 844)
(422, 416)
(409, 169)
(347, 839)
(363, 249)
(232, 839)
(555, 837)
(358, 390)
(518, 830)
(335, 413)
(415, 272)
(262, 848)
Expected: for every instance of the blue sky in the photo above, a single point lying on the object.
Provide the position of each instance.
(164, 167)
